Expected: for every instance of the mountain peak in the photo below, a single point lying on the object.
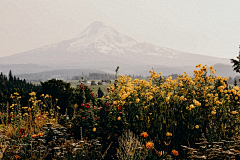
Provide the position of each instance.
(97, 24)
(103, 38)
(93, 29)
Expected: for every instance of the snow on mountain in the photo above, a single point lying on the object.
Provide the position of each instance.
(107, 40)
(100, 46)
(102, 38)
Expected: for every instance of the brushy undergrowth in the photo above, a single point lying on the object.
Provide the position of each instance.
(166, 113)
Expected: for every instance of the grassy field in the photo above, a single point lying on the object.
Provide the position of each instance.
(94, 88)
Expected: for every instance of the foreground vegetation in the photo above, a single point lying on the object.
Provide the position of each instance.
(186, 117)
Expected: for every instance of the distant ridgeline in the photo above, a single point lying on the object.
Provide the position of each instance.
(12, 84)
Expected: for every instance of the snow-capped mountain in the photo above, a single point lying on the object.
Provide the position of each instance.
(102, 47)
(103, 39)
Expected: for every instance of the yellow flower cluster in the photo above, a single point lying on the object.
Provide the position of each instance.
(32, 94)
(202, 94)
(144, 91)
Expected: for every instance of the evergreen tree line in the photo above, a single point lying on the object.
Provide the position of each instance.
(58, 89)
(11, 84)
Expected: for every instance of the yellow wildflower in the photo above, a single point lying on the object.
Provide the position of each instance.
(32, 94)
(200, 65)
(181, 98)
(192, 106)
(169, 134)
(234, 112)
(213, 112)
(137, 100)
(167, 99)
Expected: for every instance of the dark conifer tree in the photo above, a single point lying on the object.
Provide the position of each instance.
(100, 93)
(10, 77)
(235, 81)
(236, 63)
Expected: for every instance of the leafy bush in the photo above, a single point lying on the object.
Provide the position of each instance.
(186, 107)
(60, 90)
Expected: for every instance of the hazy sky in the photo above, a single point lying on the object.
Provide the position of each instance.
(209, 27)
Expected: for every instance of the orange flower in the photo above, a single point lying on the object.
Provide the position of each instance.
(167, 144)
(144, 134)
(175, 153)
(234, 112)
(40, 134)
(17, 157)
(168, 134)
(150, 145)
(34, 135)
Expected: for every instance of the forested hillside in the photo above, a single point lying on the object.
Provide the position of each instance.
(11, 84)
